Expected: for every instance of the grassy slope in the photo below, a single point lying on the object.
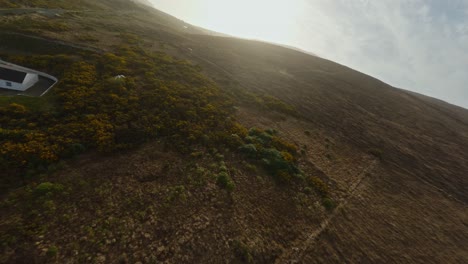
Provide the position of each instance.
(420, 178)
(418, 186)
(409, 205)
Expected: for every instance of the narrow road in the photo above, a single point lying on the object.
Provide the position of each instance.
(51, 12)
(59, 42)
(22, 11)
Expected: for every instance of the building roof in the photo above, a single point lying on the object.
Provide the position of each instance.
(12, 75)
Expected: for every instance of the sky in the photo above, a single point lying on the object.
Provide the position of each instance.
(417, 45)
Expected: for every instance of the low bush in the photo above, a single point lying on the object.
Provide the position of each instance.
(177, 193)
(264, 102)
(328, 203)
(318, 185)
(250, 150)
(277, 156)
(378, 153)
(52, 252)
(48, 188)
(242, 252)
(225, 182)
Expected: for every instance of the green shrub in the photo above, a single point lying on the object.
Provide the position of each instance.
(225, 182)
(55, 167)
(242, 252)
(251, 167)
(234, 141)
(260, 137)
(52, 251)
(177, 193)
(271, 131)
(47, 188)
(275, 161)
(219, 157)
(49, 206)
(249, 149)
(282, 176)
(319, 186)
(276, 155)
(222, 167)
(328, 203)
(378, 153)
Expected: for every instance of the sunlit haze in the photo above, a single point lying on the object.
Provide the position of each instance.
(412, 44)
(274, 21)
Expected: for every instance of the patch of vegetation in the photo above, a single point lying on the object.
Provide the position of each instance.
(177, 193)
(28, 24)
(8, 4)
(307, 190)
(225, 181)
(48, 188)
(223, 178)
(37, 104)
(277, 156)
(328, 203)
(318, 185)
(265, 102)
(250, 167)
(242, 252)
(87, 38)
(159, 98)
(378, 153)
(52, 252)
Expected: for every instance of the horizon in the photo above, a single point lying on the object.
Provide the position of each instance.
(393, 41)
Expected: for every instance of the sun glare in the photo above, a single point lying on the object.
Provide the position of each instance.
(270, 20)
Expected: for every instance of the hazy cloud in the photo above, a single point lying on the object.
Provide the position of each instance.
(419, 45)
(416, 45)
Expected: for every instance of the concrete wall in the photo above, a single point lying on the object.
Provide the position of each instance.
(14, 86)
(30, 80)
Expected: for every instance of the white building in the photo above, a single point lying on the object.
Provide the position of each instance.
(16, 78)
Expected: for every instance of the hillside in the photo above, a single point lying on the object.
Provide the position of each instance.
(215, 149)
